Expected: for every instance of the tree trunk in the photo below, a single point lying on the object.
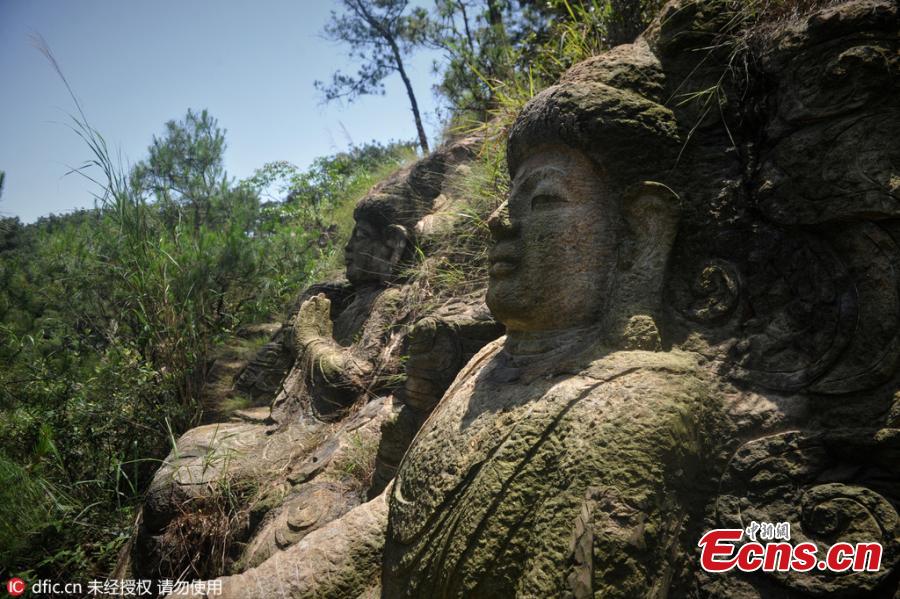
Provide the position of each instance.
(423, 139)
(388, 36)
(465, 16)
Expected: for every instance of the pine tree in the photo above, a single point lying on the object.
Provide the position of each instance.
(378, 34)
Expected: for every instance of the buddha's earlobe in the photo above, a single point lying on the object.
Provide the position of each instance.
(650, 213)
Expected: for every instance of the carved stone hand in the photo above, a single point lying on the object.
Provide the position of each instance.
(313, 321)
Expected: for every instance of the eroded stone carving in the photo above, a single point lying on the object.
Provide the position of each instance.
(818, 286)
(831, 486)
(542, 439)
(266, 484)
(701, 302)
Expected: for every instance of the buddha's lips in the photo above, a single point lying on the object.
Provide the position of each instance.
(503, 260)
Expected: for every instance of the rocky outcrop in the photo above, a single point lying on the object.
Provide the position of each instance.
(697, 268)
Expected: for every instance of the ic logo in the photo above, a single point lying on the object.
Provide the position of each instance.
(15, 586)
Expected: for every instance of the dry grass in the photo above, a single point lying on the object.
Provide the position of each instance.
(760, 20)
(770, 11)
(452, 263)
(203, 537)
(207, 535)
(356, 460)
(746, 29)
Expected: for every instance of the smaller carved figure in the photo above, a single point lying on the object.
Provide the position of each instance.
(336, 433)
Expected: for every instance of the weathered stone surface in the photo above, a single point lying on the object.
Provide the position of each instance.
(329, 481)
(211, 467)
(488, 499)
(832, 486)
(833, 152)
(697, 267)
(262, 377)
(341, 559)
(335, 434)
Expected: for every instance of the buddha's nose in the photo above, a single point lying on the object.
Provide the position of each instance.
(499, 224)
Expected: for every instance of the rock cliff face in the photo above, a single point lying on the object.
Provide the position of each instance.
(697, 268)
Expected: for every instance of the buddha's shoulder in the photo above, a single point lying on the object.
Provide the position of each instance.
(618, 363)
(482, 358)
(648, 375)
(673, 364)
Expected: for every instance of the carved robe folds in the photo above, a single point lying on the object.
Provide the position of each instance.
(543, 463)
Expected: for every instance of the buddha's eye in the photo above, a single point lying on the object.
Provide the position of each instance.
(546, 200)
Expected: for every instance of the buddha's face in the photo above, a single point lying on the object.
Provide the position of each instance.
(372, 252)
(554, 256)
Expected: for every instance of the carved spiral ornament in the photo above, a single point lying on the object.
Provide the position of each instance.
(818, 312)
(710, 293)
(830, 487)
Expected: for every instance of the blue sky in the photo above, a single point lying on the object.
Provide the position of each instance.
(135, 64)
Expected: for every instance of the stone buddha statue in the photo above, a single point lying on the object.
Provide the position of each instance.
(264, 483)
(701, 291)
(574, 435)
(351, 336)
(329, 322)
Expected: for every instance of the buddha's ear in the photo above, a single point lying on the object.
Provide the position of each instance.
(650, 212)
(397, 238)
